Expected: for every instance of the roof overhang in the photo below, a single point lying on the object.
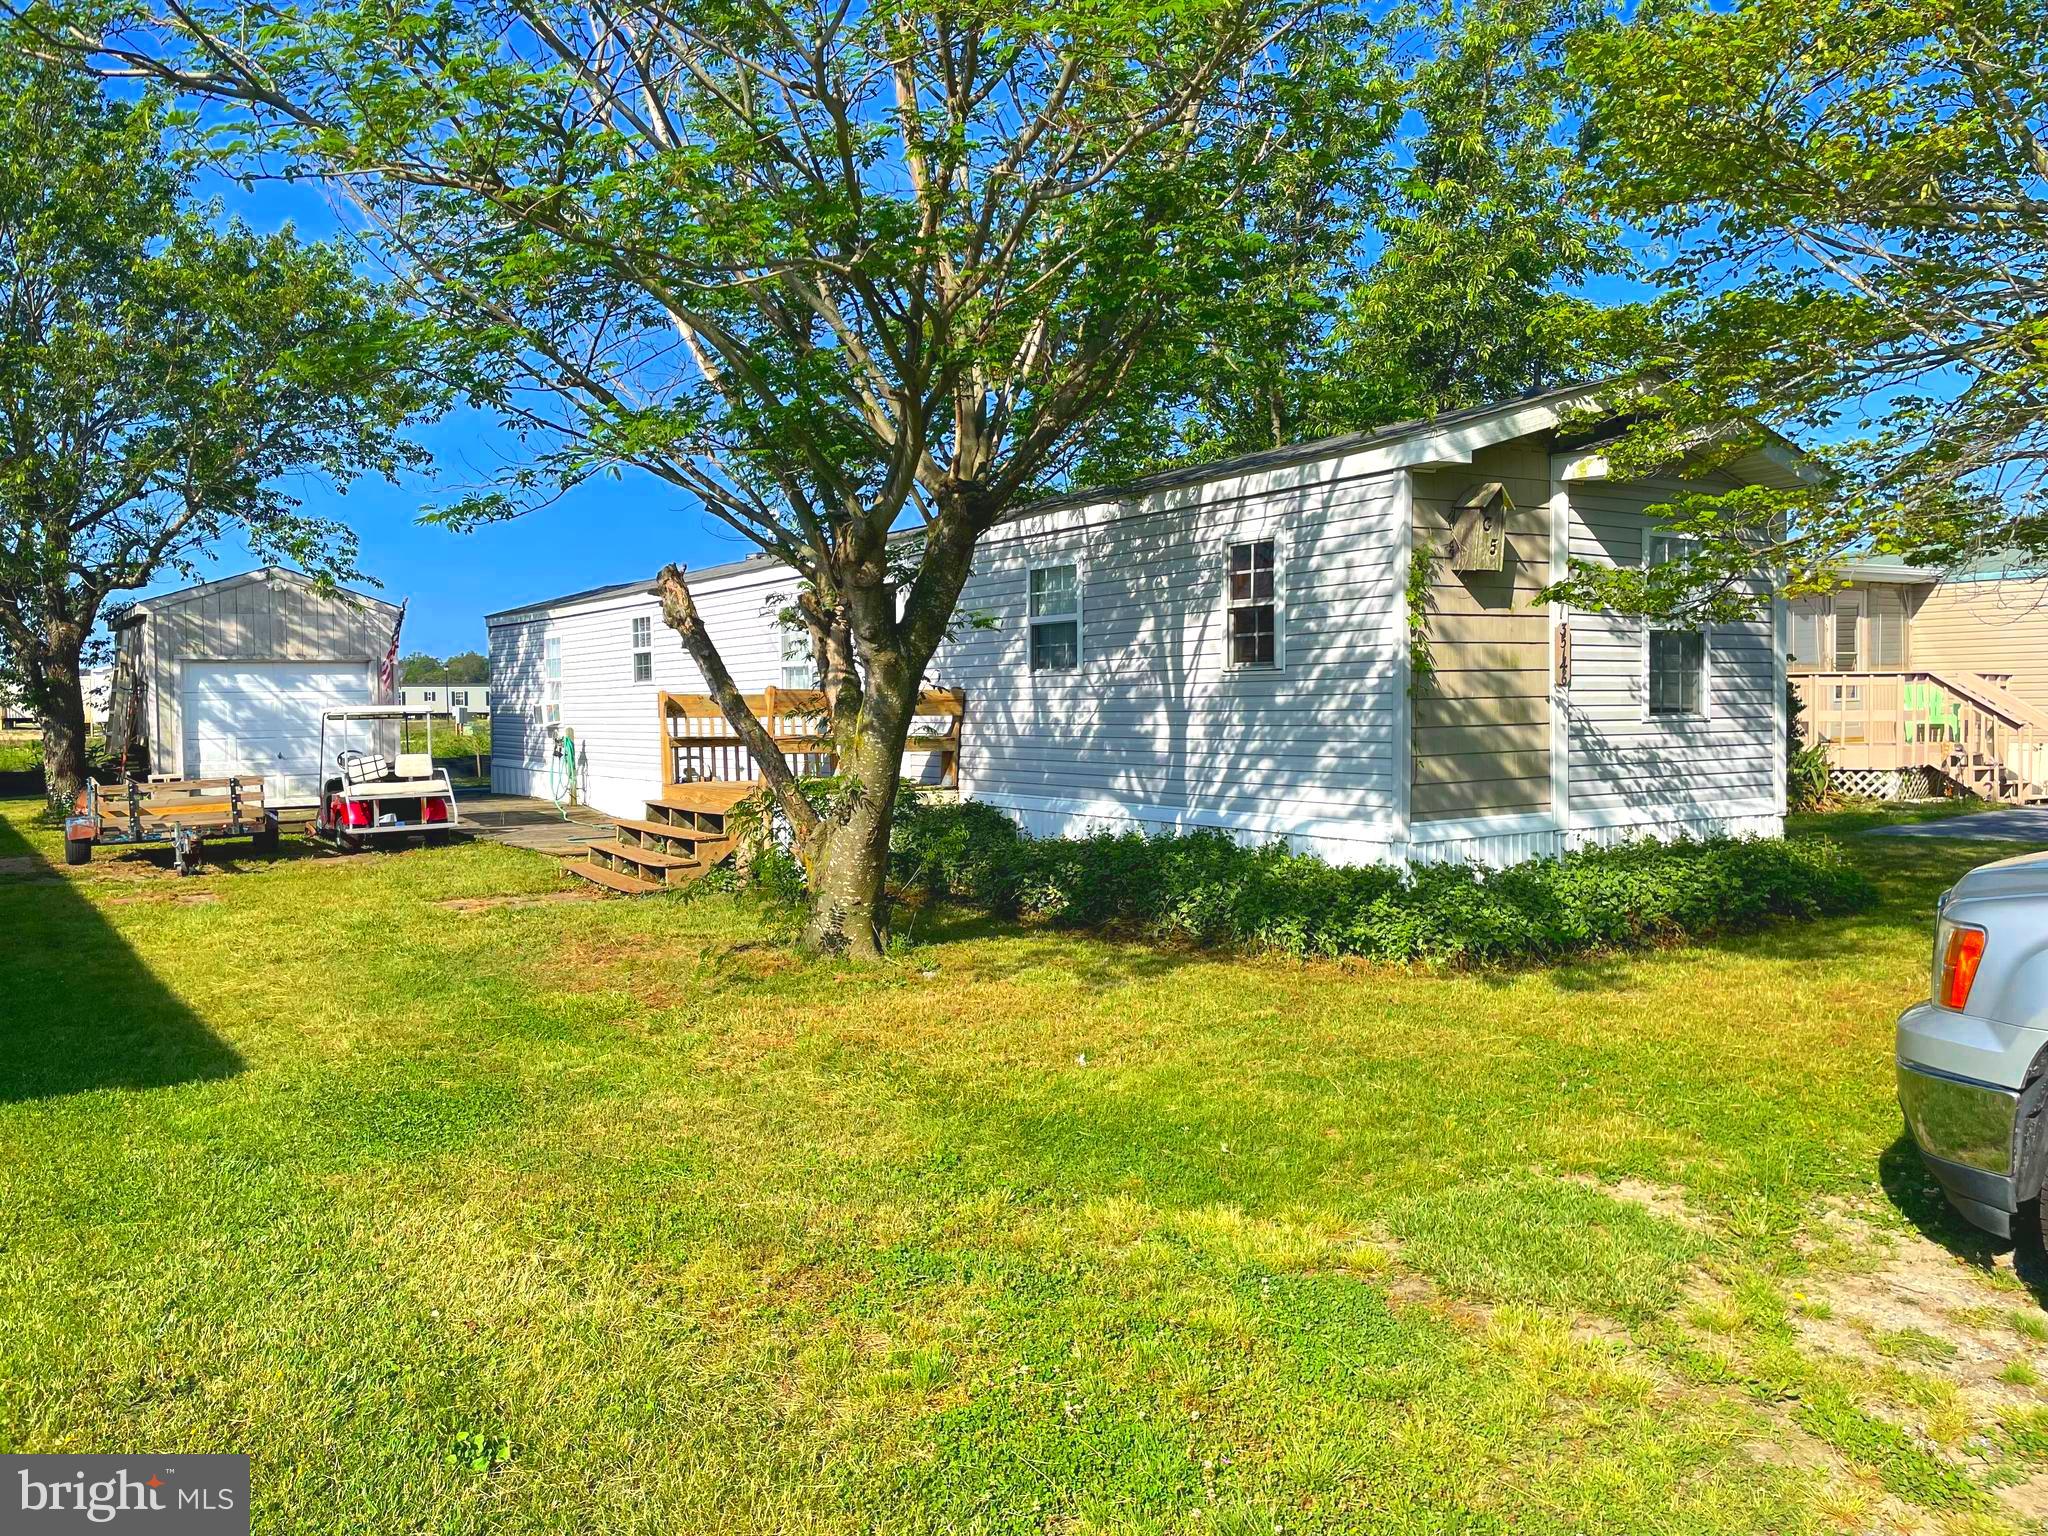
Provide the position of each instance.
(139, 609)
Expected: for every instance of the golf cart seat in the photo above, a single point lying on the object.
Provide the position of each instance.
(373, 775)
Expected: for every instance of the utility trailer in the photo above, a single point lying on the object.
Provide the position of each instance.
(183, 813)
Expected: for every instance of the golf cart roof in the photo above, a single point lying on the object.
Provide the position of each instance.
(379, 712)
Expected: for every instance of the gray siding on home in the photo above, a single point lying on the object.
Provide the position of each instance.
(1153, 719)
(281, 617)
(1482, 722)
(1627, 767)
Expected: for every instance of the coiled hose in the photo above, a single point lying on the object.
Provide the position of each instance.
(562, 774)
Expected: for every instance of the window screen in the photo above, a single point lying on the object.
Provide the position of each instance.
(1678, 665)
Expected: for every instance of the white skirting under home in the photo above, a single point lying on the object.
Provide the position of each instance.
(1491, 842)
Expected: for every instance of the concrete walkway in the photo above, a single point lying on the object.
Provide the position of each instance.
(2021, 824)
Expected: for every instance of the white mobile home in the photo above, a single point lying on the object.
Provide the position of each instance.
(447, 698)
(230, 676)
(1227, 646)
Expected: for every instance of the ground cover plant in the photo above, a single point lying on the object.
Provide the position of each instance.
(464, 1201)
(1206, 888)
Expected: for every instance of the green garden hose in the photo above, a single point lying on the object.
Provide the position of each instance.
(562, 774)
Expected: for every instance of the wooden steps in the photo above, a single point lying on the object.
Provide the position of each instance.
(682, 838)
(611, 880)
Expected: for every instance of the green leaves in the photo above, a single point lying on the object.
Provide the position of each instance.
(1421, 267)
(1855, 197)
(163, 368)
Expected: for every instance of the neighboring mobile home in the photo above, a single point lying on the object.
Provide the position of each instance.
(447, 698)
(1906, 671)
(1227, 646)
(230, 676)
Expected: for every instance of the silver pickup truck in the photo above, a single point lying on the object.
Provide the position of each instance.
(1973, 1058)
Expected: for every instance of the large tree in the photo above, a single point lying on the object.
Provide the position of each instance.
(1854, 198)
(160, 368)
(1444, 274)
(829, 270)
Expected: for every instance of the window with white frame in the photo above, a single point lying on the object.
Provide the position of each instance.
(799, 661)
(551, 685)
(1254, 620)
(1677, 657)
(1055, 618)
(458, 698)
(643, 649)
(1804, 643)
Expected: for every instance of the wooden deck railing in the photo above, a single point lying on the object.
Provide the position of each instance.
(1968, 727)
(698, 744)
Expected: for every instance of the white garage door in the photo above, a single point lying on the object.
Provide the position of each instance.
(251, 717)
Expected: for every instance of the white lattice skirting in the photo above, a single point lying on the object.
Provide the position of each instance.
(1885, 783)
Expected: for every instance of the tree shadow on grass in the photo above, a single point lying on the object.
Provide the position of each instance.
(79, 1009)
(1914, 1194)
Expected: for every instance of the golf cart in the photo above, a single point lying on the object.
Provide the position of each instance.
(376, 789)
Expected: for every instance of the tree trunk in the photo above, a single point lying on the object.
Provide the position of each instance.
(62, 706)
(847, 854)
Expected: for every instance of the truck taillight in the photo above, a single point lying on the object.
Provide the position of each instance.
(1961, 954)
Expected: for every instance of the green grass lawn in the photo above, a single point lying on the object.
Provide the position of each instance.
(20, 753)
(465, 1211)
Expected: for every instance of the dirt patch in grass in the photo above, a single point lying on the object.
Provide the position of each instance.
(531, 899)
(1657, 1199)
(1922, 1306)
(153, 898)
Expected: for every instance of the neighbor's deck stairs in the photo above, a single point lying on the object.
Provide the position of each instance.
(683, 837)
(2019, 774)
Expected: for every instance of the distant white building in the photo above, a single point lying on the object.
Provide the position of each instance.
(97, 682)
(448, 698)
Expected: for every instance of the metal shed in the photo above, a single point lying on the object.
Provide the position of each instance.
(230, 676)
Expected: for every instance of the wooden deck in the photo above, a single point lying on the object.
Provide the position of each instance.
(706, 770)
(698, 745)
(1964, 726)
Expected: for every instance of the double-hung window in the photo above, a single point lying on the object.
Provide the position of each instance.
(1254, 619)
(551, 686)
(799, 661)
(643, 649)
(1055, 618)
(1677, 657)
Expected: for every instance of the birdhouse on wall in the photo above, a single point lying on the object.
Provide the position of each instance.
(1479, 528)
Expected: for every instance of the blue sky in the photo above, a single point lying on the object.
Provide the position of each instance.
(607, 531)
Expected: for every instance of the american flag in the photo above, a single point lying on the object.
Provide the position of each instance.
(387, 674)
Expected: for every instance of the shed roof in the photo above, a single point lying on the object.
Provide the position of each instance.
(132, 612)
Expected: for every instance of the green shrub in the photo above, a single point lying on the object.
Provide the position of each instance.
(1205, 888)
(1807, 779)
